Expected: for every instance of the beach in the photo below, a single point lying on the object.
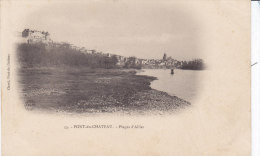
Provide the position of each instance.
(86, 90)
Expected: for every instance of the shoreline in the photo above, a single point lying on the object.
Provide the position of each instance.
(85, 90)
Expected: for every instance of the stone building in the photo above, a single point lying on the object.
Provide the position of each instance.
(35, 36)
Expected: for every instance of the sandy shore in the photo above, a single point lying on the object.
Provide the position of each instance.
(84, 90)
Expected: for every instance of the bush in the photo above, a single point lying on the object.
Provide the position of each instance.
(196, 64)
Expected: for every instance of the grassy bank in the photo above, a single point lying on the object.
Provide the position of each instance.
(86, 90)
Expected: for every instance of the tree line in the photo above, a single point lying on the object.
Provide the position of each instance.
(196, 64)
(38, 55)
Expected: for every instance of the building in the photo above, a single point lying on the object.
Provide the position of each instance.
(35, 36)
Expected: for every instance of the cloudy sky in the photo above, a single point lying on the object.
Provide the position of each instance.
(142, 29)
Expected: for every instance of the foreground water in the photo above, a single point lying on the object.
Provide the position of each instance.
(183, 83)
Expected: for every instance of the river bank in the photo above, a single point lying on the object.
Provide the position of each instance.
(184, 84)
(85, 90)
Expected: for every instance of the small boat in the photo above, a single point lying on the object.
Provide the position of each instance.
(172, 71)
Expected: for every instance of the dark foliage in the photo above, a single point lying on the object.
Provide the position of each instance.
(38, 55)
(196, 64)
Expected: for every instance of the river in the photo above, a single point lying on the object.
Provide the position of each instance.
(183, 83)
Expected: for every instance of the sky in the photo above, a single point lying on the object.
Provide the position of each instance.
(142, 29)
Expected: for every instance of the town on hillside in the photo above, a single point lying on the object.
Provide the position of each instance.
(43, 37)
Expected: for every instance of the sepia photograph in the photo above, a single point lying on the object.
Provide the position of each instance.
(125, 77)
(109, 59)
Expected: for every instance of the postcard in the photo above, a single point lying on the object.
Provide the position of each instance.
(123, 77)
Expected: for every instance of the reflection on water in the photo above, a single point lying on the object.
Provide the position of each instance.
(183, 84)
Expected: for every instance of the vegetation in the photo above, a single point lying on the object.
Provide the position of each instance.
(40, 55)
(196, 64)
(87, 85)
(131, 63)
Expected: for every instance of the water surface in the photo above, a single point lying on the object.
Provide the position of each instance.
(183, 83)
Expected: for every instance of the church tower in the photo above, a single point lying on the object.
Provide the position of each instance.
(164, 57)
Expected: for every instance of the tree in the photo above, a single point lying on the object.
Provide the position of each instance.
(114, 60)
(131, 63)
